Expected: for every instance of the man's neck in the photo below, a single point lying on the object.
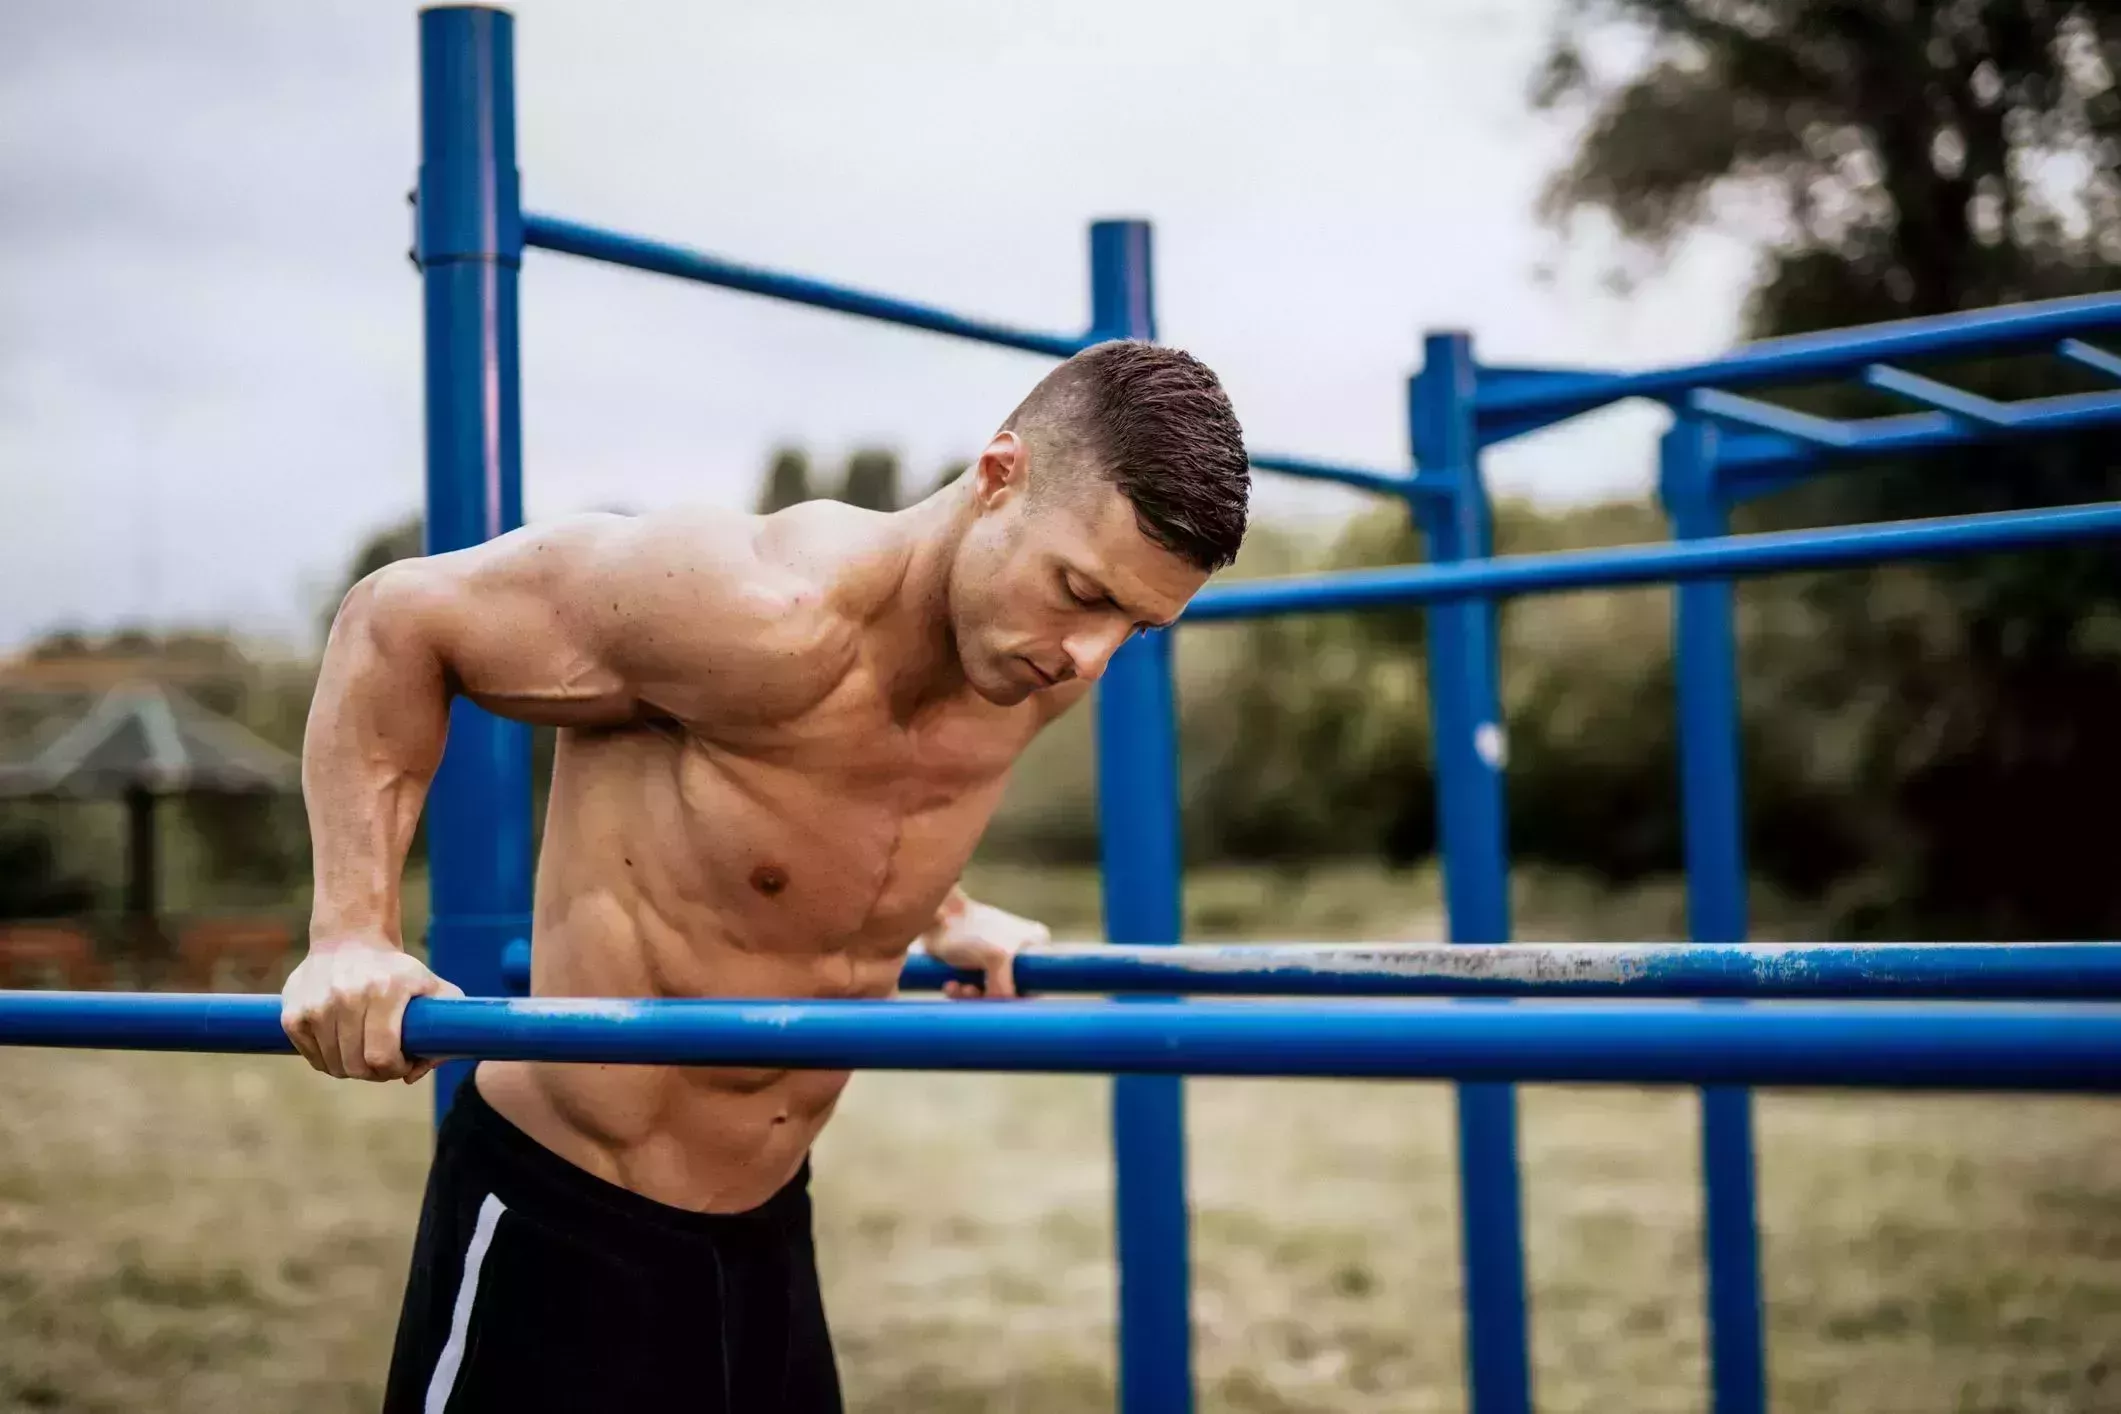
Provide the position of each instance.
(913, 623)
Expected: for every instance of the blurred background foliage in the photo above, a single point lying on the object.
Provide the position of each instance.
(1929, 749)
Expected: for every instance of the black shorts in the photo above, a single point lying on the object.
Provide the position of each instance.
(538, 1286)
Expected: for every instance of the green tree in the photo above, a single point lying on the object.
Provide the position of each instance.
(1910, 158)
(787, 481)
(872, 480)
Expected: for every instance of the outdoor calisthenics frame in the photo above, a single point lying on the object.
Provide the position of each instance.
(1724, 446)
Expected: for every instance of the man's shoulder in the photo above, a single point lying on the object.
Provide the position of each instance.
(725, 583)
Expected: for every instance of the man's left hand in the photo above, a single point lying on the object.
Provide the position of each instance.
(978, 937)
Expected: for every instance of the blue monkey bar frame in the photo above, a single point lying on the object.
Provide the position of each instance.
(1725, 445)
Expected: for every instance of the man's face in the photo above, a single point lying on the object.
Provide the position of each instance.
(1053, 578)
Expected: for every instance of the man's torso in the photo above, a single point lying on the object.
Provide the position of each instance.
(794, 856)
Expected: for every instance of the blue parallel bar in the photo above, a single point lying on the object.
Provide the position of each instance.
(658, 257)
(1769, 553)
(1525, 403)
(1466, 704)
(1139, 834)
(1758, 971)
(1712, 792)
(1947, 1046)
(468, 243)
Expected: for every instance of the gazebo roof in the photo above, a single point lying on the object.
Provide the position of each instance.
(144, 736)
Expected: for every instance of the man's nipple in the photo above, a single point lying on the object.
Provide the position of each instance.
(769, 879)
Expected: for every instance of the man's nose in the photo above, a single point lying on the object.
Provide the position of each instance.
(1089, 653)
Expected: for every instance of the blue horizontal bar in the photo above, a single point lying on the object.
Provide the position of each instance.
(1390, 483)
(1721, 558)
(1521, 404)
(569, 238)
(1931, 971)
(1895, 1045)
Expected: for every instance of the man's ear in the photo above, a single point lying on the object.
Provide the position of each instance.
(1001, 469)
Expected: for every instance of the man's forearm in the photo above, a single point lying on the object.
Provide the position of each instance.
(374, 740)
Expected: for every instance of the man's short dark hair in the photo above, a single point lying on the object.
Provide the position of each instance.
(1155, 422)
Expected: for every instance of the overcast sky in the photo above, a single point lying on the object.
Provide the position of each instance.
(210, 339)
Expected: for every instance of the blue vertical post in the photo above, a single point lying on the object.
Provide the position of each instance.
(1138, 826)
(1465, 697)
(469, 243)
(1705, 647)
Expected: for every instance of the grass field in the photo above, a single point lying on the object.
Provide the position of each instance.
(190, 1234)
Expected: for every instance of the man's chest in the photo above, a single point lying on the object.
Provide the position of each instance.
(839, 824)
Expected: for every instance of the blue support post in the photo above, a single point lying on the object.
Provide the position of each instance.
(1138, 826)
(1705, 649)
(1466, 705)
(469, 245)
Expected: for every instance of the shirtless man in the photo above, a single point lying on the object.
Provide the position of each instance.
(780, 740)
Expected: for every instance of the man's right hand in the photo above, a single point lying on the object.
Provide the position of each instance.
(344, 1008)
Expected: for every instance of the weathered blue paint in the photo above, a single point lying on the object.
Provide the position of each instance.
(1738, 555)
(1958, 1046)
(468, 243)
(1712, 790)
(1753, 971)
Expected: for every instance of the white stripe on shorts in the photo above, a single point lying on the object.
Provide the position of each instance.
(444, 1381)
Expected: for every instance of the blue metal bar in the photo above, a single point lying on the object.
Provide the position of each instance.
(1951, 1046)
(1712, 790)
(1138, 830)
(468, 244)
(2090, 356)
(1466, 704)
(1771, 553)
(572, 238)
(1756, 971)
(1390, 483)
(1801, 427)
(1953, 402)
(1511, 406)
(1756, 464)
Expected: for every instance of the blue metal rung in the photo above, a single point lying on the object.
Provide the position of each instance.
(1511, 406)
(2090, 356)
(1957, 402)
(1768, 417)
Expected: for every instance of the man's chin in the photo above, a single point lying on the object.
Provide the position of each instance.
(1001, 689)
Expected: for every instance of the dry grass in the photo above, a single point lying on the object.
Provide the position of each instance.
(197, 1233)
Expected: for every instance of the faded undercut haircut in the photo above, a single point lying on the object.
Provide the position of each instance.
(1156, 423)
